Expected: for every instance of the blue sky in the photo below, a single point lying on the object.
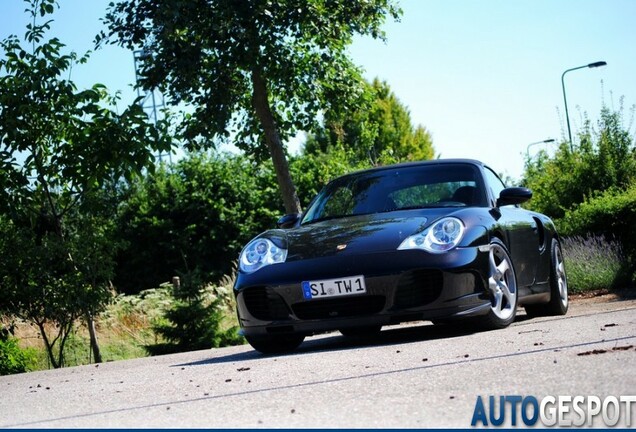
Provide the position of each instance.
(484, 77)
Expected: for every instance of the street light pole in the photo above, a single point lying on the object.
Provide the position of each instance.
(546, 141)
(565, 101)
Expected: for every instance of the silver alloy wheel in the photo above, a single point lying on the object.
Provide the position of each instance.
(561, 278)
(502, 283)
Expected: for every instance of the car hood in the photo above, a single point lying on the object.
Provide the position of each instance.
(356, 234)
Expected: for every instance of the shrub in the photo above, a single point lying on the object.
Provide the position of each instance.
(612, 214)
(201, 211)
(603, 158)
(14, 359)
(594, 262)
(195, 214)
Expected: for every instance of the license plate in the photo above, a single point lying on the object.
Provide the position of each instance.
(334, 287)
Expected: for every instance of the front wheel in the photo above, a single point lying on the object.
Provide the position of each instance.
(558, 304)
(502, 287)
(275, 344)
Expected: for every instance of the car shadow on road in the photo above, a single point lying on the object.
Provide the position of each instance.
(337, 342)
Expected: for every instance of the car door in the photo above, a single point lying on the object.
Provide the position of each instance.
(521, 230)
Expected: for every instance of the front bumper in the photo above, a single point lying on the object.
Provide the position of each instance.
(401, 286)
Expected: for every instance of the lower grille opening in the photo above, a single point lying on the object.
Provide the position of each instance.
(339, 307)
(418, 288)
(265, 304)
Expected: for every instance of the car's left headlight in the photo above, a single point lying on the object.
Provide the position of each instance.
(440, 237)
(259, 253)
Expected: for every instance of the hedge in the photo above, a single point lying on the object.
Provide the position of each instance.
(612, 214)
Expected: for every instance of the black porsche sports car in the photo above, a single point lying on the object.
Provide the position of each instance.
(440, 240)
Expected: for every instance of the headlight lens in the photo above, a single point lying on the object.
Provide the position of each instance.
(259, 253)
(440, 237)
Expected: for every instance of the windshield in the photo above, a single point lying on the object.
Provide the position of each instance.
(399, 188)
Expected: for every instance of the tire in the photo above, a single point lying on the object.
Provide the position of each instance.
(502, 286)
(558, 304)
(361, 332)
(275, 344)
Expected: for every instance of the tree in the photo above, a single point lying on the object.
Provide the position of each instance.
(312, 171)
(56, 250)
(379, 130)
(254, 71)
(194, 321)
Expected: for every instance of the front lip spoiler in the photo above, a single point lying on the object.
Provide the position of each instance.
(312, 327)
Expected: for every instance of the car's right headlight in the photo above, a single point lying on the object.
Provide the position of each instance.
(259, 253)
(440, 237)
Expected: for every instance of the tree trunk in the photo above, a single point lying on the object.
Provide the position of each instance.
(48, 346)
(90, 322)
(62, 334)
(260, 101)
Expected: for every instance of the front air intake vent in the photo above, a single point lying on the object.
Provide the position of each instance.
(265, 304)
(418, 288)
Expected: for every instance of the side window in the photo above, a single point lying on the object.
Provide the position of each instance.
(494, 183)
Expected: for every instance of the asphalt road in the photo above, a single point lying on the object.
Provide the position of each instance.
(411, 376)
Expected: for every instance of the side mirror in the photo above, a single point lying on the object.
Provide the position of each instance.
(288, 221)
(513, 196)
